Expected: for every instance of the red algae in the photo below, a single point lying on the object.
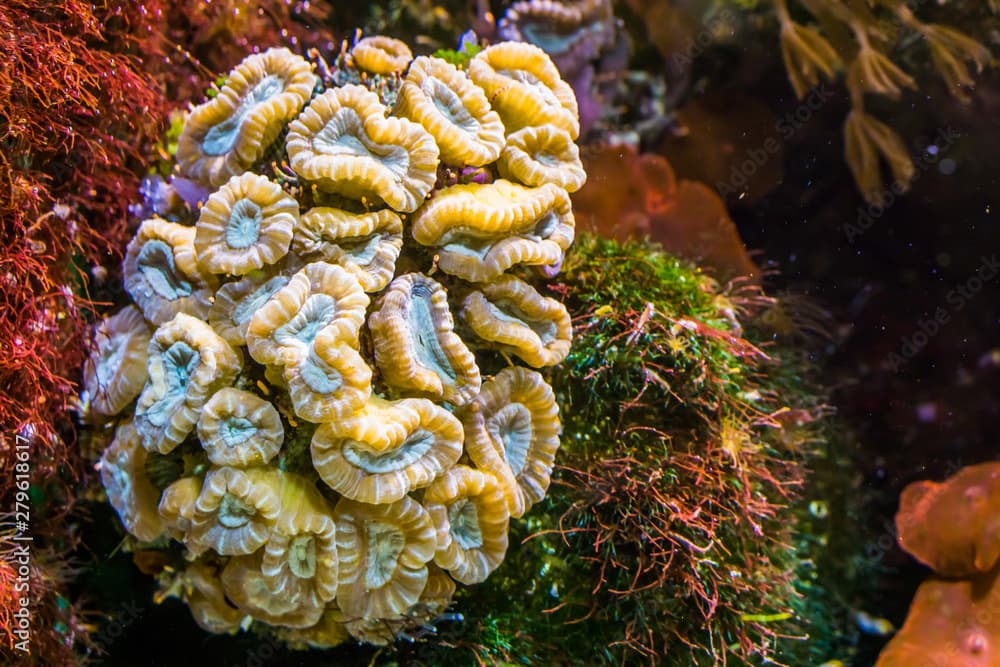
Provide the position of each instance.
(73, 108)
(75, 112)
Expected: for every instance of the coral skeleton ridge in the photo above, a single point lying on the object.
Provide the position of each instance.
(314, 391)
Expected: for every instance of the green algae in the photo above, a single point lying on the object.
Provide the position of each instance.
(675, 529)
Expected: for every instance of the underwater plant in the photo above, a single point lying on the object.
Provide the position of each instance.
(858, 38)
(954, 619)
(318, 419)
(76, 115)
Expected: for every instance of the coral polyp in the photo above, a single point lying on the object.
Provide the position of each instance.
(298, 408)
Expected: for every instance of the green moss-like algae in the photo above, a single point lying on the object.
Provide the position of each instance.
(671, 532)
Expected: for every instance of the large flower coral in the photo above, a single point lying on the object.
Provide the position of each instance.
(245, 225)
(344, 143)
(482, 231)
(225, 136)
(296, 408)
(162, 273)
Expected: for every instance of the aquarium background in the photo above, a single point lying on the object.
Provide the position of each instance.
(886, 319)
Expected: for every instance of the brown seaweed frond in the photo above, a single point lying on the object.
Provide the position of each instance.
(951, 53)
(860, 37)
(806, 53)
(873, 72)
(868, 143)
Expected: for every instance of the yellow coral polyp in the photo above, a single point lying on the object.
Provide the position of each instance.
(416, 347)
(470, 514)
(237, 428)
(252, 593)
(300, 557)
(328, 632)
(481, 231)
(539, 155)
(511, 316)
(204, 595)
(512, 431)
(365, 244)
(387, 449)
(330, 383)
(319, 297)
(162, 275)
(290, 581)
(129, 489)
(381, 55)
(177, 506)
(453, 110)
(344, 143)
(245, 225)
(115, 371)
(384, 551)
(524, 87)
(236, 302)
(235, 510)
(225, 136)
(187, 363)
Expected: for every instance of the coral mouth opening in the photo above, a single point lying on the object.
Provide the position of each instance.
(302, 556)
(316, 313)
(511, 426)
(156, 262)
(385, 544)
(221, 138)
(463, 516)
(234, 513)
(236, 430)
(413, 448)
(425, 341)
(243, 229)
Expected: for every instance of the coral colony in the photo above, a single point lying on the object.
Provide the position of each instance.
(317, 390)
